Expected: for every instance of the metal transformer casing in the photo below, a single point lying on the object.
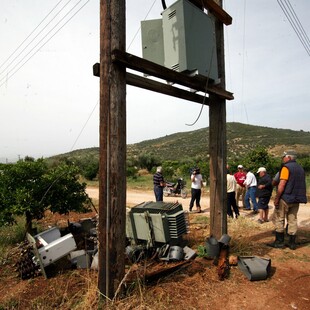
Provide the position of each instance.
(184, 40)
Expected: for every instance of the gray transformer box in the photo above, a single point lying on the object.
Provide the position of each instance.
(188, 40)
(153, 41)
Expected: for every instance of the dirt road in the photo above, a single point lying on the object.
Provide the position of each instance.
(135, 197)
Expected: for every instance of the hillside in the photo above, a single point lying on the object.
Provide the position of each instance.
(241, 138)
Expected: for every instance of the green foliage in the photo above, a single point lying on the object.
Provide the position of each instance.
(65, 193)
(202, 251)
(29, 188)
(148, 161)
(305, 163)
(131, 172)
(10, 235)
(91, 170)
(259, 157)
(88, 162)
(170, 170)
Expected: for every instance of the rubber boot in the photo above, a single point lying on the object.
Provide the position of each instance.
(292, 242)
(279, 242)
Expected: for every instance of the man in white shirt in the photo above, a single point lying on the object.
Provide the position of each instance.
(231, 196)
(250, 184)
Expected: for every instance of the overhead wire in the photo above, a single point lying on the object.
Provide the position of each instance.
(46, 43)
(30, 34)
(243, 63)
(34, 37)
(11, 75)
(295, 23)
(81, 131)
(134, 37)
(299, 23)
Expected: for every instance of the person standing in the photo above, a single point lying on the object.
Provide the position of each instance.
(291, 192)
(231, 196)
(196, 186)
(250, 184)
(263, 192)
(159, 184)
(240, 177)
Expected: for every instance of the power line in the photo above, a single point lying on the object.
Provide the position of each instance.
(34, 39)
(299, 23)
(295, 24)
(29, 35)
(81, 131)
(134, 37)
(11, 75)
(46, 35)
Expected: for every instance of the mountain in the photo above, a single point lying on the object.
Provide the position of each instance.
(241, 139)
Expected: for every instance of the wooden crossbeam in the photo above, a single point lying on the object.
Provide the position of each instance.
(169, 90)
(215, 10)
(199, 83)
(149, 84)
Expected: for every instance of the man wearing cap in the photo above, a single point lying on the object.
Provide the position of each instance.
(263, 192)
(291, 192)
(240, 176)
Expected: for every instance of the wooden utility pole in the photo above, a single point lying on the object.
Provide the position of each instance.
(217, 144)
(112, 157)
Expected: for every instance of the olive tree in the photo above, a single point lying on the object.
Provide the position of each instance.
(29, 188)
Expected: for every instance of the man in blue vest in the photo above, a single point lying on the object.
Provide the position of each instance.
(291, 192)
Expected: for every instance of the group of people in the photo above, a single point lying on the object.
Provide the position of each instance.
(290, 185)
(243, 184)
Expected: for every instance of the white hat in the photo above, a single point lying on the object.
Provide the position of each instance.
(240, 167)
(261, 169)
(290, 153)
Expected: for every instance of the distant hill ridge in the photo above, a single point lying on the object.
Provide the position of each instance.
(241, 139)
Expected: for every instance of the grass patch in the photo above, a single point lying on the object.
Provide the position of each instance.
(10, 235)
(200, 219)
(144, 182)
(10, 304)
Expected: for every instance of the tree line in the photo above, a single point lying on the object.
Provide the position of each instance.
(30, 187)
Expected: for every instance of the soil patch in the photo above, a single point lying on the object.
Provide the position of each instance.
(194, 285)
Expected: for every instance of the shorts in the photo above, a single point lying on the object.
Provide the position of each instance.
(262, 203)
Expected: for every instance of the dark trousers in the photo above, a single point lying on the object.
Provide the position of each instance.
(231, 202)
(159, 193)
(196, 195)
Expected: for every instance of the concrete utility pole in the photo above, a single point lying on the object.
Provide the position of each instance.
(217, 144)
(112, 157)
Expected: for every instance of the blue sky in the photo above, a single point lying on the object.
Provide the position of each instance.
(50, 99)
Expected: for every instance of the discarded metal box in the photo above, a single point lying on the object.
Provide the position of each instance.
(156, 222)
(49, 246)
(255, 268)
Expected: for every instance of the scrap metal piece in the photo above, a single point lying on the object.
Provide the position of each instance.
(189, 253)
(255, 268)
(49, 246)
